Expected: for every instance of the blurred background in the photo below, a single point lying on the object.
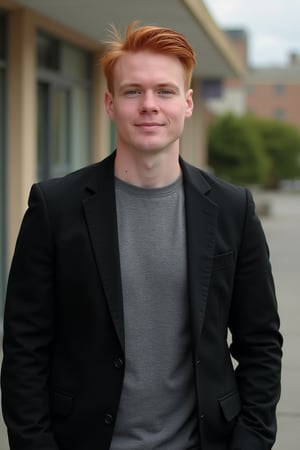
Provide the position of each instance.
(245, 127)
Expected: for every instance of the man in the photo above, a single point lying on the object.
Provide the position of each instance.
(126, 278)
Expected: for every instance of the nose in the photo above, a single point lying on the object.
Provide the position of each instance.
(148, 103)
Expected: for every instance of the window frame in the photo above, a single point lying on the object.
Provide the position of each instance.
(56, 79)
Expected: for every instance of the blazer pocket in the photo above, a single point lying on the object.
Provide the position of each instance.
(223, 260)
(230, 405)
(62, 403)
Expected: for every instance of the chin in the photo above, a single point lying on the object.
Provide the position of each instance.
(152, 147)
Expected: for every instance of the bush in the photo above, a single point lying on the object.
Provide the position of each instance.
(281, 143)
(235, 150)
(251, 150)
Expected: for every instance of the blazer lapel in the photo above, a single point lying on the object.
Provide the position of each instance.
(201, 223)
(101, 218)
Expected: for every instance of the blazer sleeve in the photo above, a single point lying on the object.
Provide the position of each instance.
(256, 340)
(28, 333)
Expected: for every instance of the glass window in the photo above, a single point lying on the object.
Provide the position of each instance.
(279, 89)
(75, 63)
(53, 131)
(43, 131)
(3, 44)
(279, 114)
(2, 188)
(47, 52)
(64, 108)
(250, 89)
(212, 89)
(80, 127)
(3, 267)
(60, 155)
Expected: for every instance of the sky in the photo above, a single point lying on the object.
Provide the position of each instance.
(272, 26)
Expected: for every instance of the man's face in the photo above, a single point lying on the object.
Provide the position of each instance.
(149, 103)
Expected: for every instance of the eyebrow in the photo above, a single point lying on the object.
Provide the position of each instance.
(159, 85)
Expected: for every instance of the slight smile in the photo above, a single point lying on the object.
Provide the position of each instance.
(147, 125)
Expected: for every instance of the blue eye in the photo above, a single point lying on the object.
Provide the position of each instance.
(166, 92)
(133, 92)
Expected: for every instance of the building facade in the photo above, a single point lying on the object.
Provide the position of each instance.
(267, 92)
(229, 95)
(274, 92)
(52, 118)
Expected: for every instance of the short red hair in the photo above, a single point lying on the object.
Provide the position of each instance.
(156, 39)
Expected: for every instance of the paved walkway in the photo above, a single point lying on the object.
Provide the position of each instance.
(282, 228)
(283, 233)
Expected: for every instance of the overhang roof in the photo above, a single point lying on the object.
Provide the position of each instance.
(283, 75)
(91, 18)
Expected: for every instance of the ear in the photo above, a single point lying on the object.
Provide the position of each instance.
(189, 103)
(109, 104)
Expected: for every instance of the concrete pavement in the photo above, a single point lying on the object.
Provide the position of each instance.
(282, 228)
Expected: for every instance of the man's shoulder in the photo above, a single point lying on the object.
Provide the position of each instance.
(76, 177)
(214, 186)
(231, 201)
(74, 182)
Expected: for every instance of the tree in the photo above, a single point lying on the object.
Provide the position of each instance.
(235, 150)
(281, 143)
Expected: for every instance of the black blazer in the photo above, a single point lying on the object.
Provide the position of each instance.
(64, 354)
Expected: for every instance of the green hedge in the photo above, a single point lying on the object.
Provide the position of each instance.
(249, 150)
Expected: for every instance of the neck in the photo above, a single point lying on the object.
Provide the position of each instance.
(148, 170)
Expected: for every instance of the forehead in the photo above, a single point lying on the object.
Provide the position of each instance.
(143, 66)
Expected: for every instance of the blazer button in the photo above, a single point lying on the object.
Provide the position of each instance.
(108, 419)
(118, 363)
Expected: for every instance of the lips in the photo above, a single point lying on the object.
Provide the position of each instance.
(149, 124)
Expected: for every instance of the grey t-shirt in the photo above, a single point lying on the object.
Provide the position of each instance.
(157, 407)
